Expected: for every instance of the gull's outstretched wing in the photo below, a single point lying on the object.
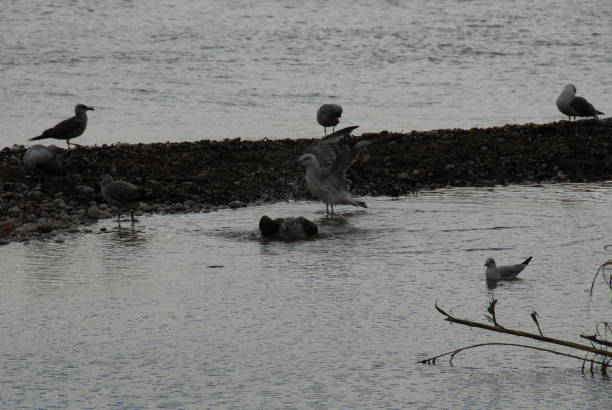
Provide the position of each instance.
(335, 154)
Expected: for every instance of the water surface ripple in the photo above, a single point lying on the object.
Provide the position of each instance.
(183, 69)
(196, 311)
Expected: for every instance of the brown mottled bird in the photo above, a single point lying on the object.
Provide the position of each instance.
(120, 194)
(328, 115)
(70, 128)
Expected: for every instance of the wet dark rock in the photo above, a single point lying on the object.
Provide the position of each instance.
(93, 212)
(235, 204)
(58, 204)
(85, 190)
(287, 229)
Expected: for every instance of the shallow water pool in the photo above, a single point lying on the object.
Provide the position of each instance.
(196, 310)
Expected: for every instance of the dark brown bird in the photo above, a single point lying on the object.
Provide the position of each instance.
(328, 115)
(70, 128)
(120, 194)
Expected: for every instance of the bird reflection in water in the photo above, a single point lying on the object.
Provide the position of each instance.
(130, 236)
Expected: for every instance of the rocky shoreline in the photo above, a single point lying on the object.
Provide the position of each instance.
(204, 175)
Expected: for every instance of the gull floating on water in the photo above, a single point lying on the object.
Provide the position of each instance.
(573, 106)
(68, 129)
(508, 272)
(328, 115)
(43, 160)
(120, 194)
(326, 163)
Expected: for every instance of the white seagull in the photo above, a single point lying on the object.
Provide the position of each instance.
(120, 194)
(508, 272)
(70, 128)
(573, 106)
(328, 115)
(326, 162)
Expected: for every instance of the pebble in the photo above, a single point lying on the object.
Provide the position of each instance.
(84, 189)
(93, 212)
(58, 204)
(235, 204)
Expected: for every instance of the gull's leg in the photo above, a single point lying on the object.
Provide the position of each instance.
(326, 209)
(325, 131)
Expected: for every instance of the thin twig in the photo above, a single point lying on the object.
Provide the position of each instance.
(594, 339)
(432, 360)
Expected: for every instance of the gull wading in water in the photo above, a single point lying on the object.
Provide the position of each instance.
(326, 162)
(68, 129)
(328, 115)
(573, 106)
(120, 194)
(508, 272)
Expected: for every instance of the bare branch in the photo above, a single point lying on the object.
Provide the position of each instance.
(432, 360)
(520, 333)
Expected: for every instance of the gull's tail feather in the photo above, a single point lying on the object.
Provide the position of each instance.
(526, 261)
(362, 204)
(40, 137)
(599, 112)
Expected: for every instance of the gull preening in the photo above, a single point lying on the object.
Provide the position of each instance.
(326, 162)
(328, 115)
(120, 194)
(508, 272)
(43, 160)
(70, 128)
(573, 106)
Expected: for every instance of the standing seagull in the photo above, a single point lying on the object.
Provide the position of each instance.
(573, 106)
(504, 272)
(326, 163)
(120, 194)
(70, 128)
(328, 115)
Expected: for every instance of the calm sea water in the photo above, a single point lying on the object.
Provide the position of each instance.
(192, 69)
(196, 311)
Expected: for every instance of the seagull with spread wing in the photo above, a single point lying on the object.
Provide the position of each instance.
(70, 128)
(326, 162)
